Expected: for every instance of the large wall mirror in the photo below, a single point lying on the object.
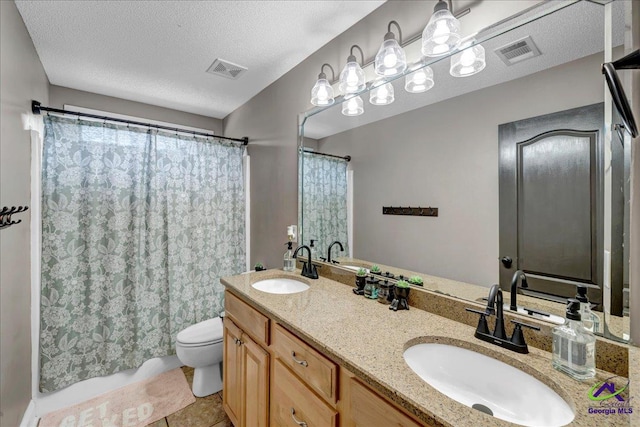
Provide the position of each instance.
(449, 148)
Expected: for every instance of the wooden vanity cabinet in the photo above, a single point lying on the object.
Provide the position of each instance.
(245, 392)
(274, 378)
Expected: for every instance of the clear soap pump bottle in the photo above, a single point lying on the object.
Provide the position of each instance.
(574, 346)
(289, 260)
(590, 320)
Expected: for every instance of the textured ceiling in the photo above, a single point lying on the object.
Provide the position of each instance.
(157, 52)
(563, 36)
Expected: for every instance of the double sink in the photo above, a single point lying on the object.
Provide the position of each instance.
(469, 377)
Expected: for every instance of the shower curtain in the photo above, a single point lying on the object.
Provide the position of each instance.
(324, 202)
(137, 228)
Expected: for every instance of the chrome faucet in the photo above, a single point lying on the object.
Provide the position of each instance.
(308, 268)
(329, 260)
(499, 336)
(519, 274)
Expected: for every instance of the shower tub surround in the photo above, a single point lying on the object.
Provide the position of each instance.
(364, 337)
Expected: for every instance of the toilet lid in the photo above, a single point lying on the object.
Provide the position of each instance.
(203, 332)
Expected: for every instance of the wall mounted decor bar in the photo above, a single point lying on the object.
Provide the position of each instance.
(5, 215)
(412, 211)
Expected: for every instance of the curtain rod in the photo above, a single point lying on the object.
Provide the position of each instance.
(347, 158)
(37, 108)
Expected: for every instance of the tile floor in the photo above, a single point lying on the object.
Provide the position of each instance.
(205, 412)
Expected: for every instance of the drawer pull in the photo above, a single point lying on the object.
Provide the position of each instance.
(299, 362)
(238, 342)
(300, 423)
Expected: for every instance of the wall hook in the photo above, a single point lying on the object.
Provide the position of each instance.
(5, 215)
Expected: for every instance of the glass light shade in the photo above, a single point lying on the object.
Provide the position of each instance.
(322, 93)
(390, 59)
(382, 95)
(419, 81)
(441, 35)
(468, 62)
(353, 106)
(352, 78)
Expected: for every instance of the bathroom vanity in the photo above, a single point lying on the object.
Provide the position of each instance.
(326, 357)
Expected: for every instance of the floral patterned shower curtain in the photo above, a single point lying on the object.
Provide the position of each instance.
(324, 202)
(137, 228)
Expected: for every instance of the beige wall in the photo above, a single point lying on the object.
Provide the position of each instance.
(269, 118)
(22, 78)
(60, 96)
(446, 155)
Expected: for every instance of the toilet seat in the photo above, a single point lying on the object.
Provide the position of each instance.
(201, 334)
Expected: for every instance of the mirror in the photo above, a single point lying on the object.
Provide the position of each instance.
(440, 149)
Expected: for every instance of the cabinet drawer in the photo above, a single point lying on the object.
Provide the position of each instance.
(250, 320)
(317, 371)
(290, 399)
(368, 409)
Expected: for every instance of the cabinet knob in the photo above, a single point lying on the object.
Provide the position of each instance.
(300, 423)
(299, 362)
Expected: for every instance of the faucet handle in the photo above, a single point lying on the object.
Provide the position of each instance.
(483, 327)
(518, 337)
(519, 323)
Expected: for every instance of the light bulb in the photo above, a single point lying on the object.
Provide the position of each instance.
(468, 58)
(352, 77)
(353, 107)
(420, 77)
(420, 80)
(441, 33)
(382, 94)
(323, 95)
(390, 60)
(469, 61)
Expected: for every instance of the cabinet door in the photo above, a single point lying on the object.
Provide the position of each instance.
(293, 404)
(369, 409)
(232, 373)
(255, 381)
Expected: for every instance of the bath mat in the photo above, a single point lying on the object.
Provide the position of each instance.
(135, 405)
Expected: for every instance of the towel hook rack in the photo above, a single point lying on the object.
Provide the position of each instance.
(5, 215)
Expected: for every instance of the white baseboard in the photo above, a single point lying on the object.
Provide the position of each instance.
(29, 418)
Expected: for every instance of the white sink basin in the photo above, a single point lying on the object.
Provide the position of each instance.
(486, 384)
(280, 286)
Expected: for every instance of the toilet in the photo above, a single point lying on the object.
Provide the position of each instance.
(200, 346)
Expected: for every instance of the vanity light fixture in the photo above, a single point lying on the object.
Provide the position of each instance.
(322, 92)
(469, 61)
(390, 59)
(382, 93)
(420, 80)
(353, 106)
(442, 33)
(352, 76)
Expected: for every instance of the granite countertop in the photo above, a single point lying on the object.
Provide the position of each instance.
(618, 326)
(369, 339)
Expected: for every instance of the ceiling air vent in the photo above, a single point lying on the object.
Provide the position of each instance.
(518, 51)
(227, 69)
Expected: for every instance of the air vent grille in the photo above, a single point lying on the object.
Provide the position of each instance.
(226, 69)
(518, 51)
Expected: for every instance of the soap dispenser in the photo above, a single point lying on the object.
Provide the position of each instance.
(590, 320)
(574, 346)
(289, 260)
(312, 249)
